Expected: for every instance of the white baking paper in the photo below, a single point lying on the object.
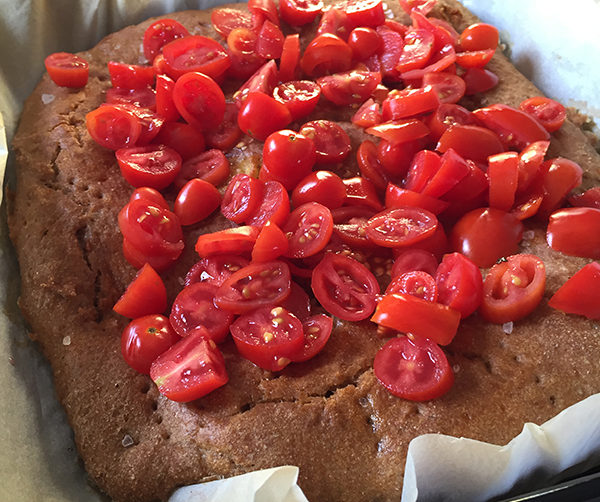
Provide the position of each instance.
(38, 460)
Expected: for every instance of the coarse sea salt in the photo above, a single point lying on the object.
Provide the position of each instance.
(66, 340)
(47, 98)
(127, 441)
(507, 327)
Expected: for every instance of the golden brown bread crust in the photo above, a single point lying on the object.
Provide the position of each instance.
(329, 416)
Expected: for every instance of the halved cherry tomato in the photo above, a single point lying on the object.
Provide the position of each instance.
(190, 369)
(264, 80)
(453, 169)
(237, 240)
(446, 116)
(400, 197)
(298, 303)
(138, 257)
(186, 140)
(196, 201)
(211, 166)
(274, 206)
(485, 235)
(199, 100)
(327, 53)
(332, 143)
(143, 98)
(151, 166)
(471, 142)
(349, 225)
(270, 41)
(409, 102)
(195, 53)
(344, 287)
(289, 156)
(215, 269)
(413, 260)
(478, 37)
(361, 192)
(470, 188)
(575, 231)
(151, 123)
(144, 339)
(551, 114)
(441, 60)
(436, 244)
(270, 244)
(242, 42)
(401, 226)
(365, 12)
(364, 42)
(113, 127)
(400, 131)
(144, 296)
(290, 58)
(324, 187)
(475, 59)
(299, 96)
(131, 76)
(335, 21)
(266, 8)
(459, 283)
(390, 51)
(416, 370)
(479, 80)
(416, 283)
(589, 198)
(349, 87)
(559, 177)
(448, 87)
(160, 33)
(308, 229)
(369, 165)
(580, 294)
(165, 106)
(254, 286)
(418, 46)
(513, 288)
(421, 318)
(317, 330)
(151, 195)
(530, 162)
(300, 12)
(503, 173)
(269, 337)
(241, 198)
(242, 65)
(225, 20)
(226, 135)
(369, 114)
(395, 158)
(67, 70)
(423, 167)
(261, 115)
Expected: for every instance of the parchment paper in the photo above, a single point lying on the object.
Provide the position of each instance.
(38, 460)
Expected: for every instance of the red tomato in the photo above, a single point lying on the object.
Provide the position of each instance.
(551, 114)
(263, 80)
(395, 158)
(416, 283)
(503, 173)
(67, 70)
(369, 114)
(113, 127)
(401, 226)
(350, 223)
(261, 115)
(160, 33)
(418, 46)
(137, 258)
(423, 167)
(471, 142)
(165, 106)
(335, 21)
(470, 188)
(361, 192)
(195, 53)
(151, 195)
(416, 370)
(344, 287)
(327, 53)
(436, 244)
(448, 115)
(515, 128)
(241, 198)
(364, 42)
(575, 231)
(475, 59)
(150, 166)
(409, 102)
(589, 198)
(242, 43)
(392, 45)
(159, 65)
(448, 87)
(215, 269)
(238, 240)
(190, 369)
(270, 41)
(243, 65)
(400, 131)
(131, 76)
(270, 244)
(274, 206)
(308, 229)
(479, 80)
(485, 235)
(183, 138)
(332, 143)
(289, 156)
(365, 12)
(227, 134)
(560, 176)
(254, 286)
(413, 260)
(399, 197)
(144, 339)
(580, 294)
(194, 307)
(143, 98)
(269, 337)
(299, 96)
(196, 201)
(290, 58)
(317, 330)
(478, 37)
(225, 20)
(529, 208)
(513, 288)
(459, 284)
(151, 123)
(199, 100)
(266, 8)
(211, 166)
(145, 295)
(453, 169)
(324, 187)
(369, 165)
(530, 162)
(440, 61)
(300, 12)
(298, 303)
(349, 87)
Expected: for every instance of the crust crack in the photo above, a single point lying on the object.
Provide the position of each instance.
(81, 237)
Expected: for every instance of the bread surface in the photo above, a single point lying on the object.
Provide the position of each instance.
(329, 416)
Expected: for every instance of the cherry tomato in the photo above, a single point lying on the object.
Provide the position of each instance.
(137, 258)
(423, 6)
(422, 318)
(459, 284)
(335, 21)
(575, 231)
(327, 53)
(416, 370)
(145, 295)
(409, 102)
(211, 166)
(324, 187)
(453, 169)
(559, 177)
(308, 229)
(299, 96)
(401, 226)
(395, 158)
(441, 60)
(392, 45)
(151, 123)
(143, 98)
(400, 131)
(242, 42)
(332, 143)
(478, 37)
(186, 140)
(215, 269)
(551, 114)
(361, 192)
(580, 294)
(448, 87)
(196, 201)
(530, 163)
(589, 198)
(290, 58)
(67, 70)
(289, 156)
(317, 330)
(274, 206)
(241, 198)
(471, 188)
(160, 33)
(399, 197)
(225, 20)
(298, 303)
(150, 166)
(165, 106)
(436, 244)
(413, 260)
(369, 114)
(269, 337)
(270, 244)
(364, 42)
(266, 8)
(270, 41)
(448, 115)
(190, 369)
(365, 12)
(479, 80)
(370, 166)
(113, 127)
(513, 288)
(423, 167)
(300, 12)
(131, 76)
(349, 87)
(349, 225)
(344, 287)
(151, 195)
(475, 59)
(199, 100)
(194, 307)
(227, 134)
(237, 240)
(485, 235)
(418, 46)
(144, 339)
(195, 53)
(254, 286)
(261, 115)
(503, 173)
(416, 283)
(471, 142)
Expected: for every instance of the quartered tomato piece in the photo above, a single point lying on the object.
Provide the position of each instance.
(335, 21)
(401, 226)
(195, 54)
(369, 114)
(332, 143)
(530, 162)
(317, 330)
(144, 339)
(237, 240)
(424, 166)
(453, 169)
(369, 165)
(67, 70)
(300, 12)
(274, 206)
(580, 294)
(448, 87)
(266, 8)
(361, 192)
(575, 231)
(344, 287)
(215, 269)
(131, 76)
(144, 296)
(196, 201)
(270, 41)
(227, 134)
(270, 244)
(211, 166)
(503, 173)
(199, 100)
(308, 229)
(400, 131)
(327, 53)
(475, 59)
(165, 106)
(254, 286)
(264, 80)
(261, 115)
(416, 283)
(151, 166)
(160, 33)
(113, 127)
(324, 187)
(513, 288)
(269, 337)
(418, 46)
(399, 197)
(364, 12)
(349, 87)
(190, 369)
(589, 198)
(241, 198)
(550, 113)
(417, 370)
(459, 283)
(409, 102)
(225, 20)
(395, 158)
(290, 58)
(390, 51)
(559, 177)
(471, 142)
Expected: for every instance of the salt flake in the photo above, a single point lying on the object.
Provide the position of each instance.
(127, 441)
(507, 327)
(47, 98)
(66, 340)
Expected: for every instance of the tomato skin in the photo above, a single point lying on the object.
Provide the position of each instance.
(270, 41)
(423, 167)
(417, 50)
(308, 229)
(290, 58)
(589, 198)
(195, 356)
(460, 284)
(195, 53)
(261, 115)
(211, 166)
(423, 319)
(550, 113)
(361, 192)
(471, 142)
(475, 59)
(448, 115)
(580, 294)
(453, 169)
(113, 127)
(417, 370)
(67, 70)
(365, 12)
(332, 143)
(530, 162)
(274, 206)
(485, 235)
(299, 96)
(151, 195)
(165, 106)
(199, 100)
(150, 166)
(317, 330)
(479, 80)
(349, 87)
(344, 287)
(335, 21)
(264, 80)
(160, 33)
(364, 42)
(416, 283)
(324, 187)
(390, 51)
(370, 166)
(270, 244)
(241, 198)
(227, 134)
(196, 201)
(513, 288)
(225, 20)
(181, 137)
(478, 37)
(369, 114)
(395, 158)
(559, 177)
(289, 156)
(144, 339)
(130, 76)
(266, 8)
(401, 227)
(327, 53)
(238, 240)
(300, 12)
(400, 131)
(144, 296)
(575, 231)
(409, 102)
(503, 173)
